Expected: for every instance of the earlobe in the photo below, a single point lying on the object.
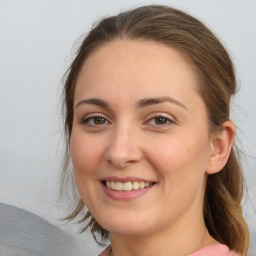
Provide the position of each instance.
(221, 147)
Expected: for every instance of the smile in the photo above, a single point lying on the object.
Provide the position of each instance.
(127, 186)
(125, 189)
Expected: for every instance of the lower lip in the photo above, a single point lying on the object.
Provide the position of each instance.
(125, 195)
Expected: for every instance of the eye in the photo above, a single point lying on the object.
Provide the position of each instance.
(95, 121)
(160, 121)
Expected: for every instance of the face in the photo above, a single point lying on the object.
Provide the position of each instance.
(140, 144)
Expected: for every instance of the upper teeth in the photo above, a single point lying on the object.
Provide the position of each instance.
(127, 186)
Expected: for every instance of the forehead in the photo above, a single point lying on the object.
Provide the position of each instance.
(129, 66)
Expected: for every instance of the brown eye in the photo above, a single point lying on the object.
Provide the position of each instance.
(160, 120)
(99, 120)
(95, 121)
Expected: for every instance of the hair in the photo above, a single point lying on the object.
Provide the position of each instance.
(217, 83)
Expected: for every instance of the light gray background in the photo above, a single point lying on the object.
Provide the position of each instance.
(37, 45)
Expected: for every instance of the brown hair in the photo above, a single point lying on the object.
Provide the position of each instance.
(217, 83)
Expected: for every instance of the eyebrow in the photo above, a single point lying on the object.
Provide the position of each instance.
(140, 104)
(94, 101)
(152, 101)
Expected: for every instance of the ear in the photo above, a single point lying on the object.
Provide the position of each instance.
(220, 148)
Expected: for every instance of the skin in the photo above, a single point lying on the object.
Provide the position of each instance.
(176, 152)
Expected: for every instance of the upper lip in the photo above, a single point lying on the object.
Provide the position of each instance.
(124, 179)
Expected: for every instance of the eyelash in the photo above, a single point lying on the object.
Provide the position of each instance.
(87, 120)
(156, 118)
(167, 121)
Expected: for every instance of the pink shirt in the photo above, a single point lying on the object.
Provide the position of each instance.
(212, 250)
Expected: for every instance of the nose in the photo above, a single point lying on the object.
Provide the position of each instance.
(123, 149)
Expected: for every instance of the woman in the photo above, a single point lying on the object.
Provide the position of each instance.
(147, 102)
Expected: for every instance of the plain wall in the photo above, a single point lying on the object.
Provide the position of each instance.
(37, 43)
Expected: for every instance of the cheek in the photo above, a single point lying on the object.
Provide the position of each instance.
(85, 154)
(180, 158)
(86, 157)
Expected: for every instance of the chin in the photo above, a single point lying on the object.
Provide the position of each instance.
(128, 230)
(125, 225)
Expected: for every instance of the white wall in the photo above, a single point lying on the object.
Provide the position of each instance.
(36, 39)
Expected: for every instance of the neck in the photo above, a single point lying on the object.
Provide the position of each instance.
(178, 241)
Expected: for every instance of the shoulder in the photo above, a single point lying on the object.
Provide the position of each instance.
(106, 252)
(213, 250)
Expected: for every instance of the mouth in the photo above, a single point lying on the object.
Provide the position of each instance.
(128, 185)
